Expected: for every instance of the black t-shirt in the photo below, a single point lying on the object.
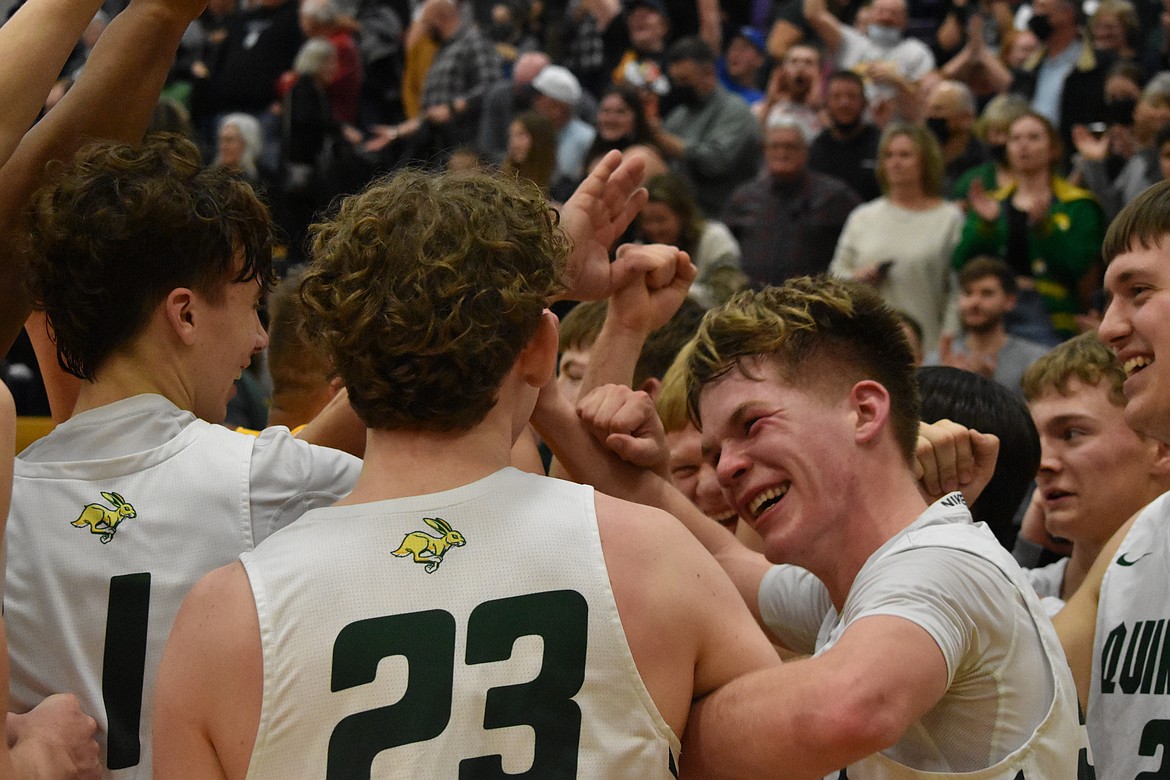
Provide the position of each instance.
(853, 160)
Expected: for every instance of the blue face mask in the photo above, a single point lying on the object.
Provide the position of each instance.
(884, 35)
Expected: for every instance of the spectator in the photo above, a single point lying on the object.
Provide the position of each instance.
(463, 67)
(950, 115)
(741, 64)
(892, 62)
(322, 19)
(1065, 80)
(788, 219)
(1047, 230)
(532, 149)
(1114, 28)
(557, 94)
(1130, 141)
(261, 44)
(622, 125)
(504, 100)
(672, 217)
(620, 43)
(848, 148)
(794, 89)
(902, 243)
(992, 128)
(312, 143)
(711, 137)
(987, 293)
(239, 147)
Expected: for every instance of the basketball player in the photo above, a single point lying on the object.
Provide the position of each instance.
(451, 616)
(931, 653)
(1114, 628)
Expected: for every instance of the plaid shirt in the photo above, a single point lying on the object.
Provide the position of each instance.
(464, 67)
(788, 229)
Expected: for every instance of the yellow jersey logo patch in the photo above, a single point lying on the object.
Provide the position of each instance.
(429, 550)
(103, 520)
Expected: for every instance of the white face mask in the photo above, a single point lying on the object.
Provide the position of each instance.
(884, 35)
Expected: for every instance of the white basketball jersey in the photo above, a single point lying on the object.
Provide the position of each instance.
(469, 633)
(101, 554)
(1129, 694)
(1058, 748)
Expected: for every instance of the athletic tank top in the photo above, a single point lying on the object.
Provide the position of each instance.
(466, 633)
(1129, 693)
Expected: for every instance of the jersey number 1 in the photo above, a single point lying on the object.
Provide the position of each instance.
(427, 640)
(124, 666)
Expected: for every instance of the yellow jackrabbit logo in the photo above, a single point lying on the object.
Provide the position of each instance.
(428, 549)
(103, 520)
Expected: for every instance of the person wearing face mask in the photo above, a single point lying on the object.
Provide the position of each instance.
(892, 63)
(711, 136)
(1065, 79)
(950, 115)
(1118, 165)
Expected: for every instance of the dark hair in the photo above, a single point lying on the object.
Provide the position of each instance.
(845, 75)
(1162, 138)
(115, 230)
(984, 266)
(642, 132)
(673, 192)
(988, 407)
(1143, 222)
(691, 48)
(541, 162)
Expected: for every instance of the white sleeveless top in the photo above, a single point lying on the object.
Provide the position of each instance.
(457, 634)
(1129, 693)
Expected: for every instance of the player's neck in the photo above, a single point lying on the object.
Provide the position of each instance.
(411, 463)
(124, 376)
(886, 505)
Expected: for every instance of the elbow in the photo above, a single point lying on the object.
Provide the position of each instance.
(850, 727)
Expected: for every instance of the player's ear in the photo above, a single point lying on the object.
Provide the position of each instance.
(869, 403)
(538, 359)
(178, 310)
(1160, 466)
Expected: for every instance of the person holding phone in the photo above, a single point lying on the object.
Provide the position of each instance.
(900, 243)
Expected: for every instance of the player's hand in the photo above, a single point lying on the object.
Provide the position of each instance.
(626, 422)
(650, 282)
(950, 457)
(55, 740)
(599, 211)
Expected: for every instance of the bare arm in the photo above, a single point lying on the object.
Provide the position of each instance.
(599, 211)
(608, 412)
(815, 716)
(710, 24)
(337, 426)
(114, 98)
(210, 682)
(34, 45)
(1076, 624)
(827, 26)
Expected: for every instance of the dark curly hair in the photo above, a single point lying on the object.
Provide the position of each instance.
(820, 332)
(116, 229)
(424, 290)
